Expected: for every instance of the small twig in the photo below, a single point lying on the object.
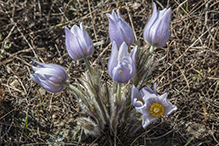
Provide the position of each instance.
(88, 1)
(195, 42)
(206, 21)
(186, 14)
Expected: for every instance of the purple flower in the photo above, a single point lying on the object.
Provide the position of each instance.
(50, 76)
(78, 43)
(150, 105)
(156, 31)
(119, 30)
(121, 65)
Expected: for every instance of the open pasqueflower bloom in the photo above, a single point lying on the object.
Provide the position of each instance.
(50, 76)
(119, 30)
(78, 43)
(121, 65)
(156, 31)
(150, 105)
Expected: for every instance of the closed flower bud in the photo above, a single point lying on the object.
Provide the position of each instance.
(156, 31)
(121, 65)
(147, 102)
(119, 30)
(50, 76)
(78, 43)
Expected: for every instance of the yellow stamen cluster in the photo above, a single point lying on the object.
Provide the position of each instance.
(139, 99)
(120, 71)
(156, 109)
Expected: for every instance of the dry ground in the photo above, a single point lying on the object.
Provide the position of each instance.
(34, 29)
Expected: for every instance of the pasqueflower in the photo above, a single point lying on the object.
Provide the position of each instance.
(50, 76)
(119, 30)
(121, 65)
(147, 102)
(78, 43)
(156, 31)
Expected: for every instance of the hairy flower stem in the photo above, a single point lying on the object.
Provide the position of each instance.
(72, 87)
(77, 91)
(149, 54)
(100, 103)
(91, 108)
(117, 107)
(118, 92)
(87, 65)
(127, 110)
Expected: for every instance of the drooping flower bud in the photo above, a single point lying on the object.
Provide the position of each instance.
(147, 102)
(121, 65)
(119, 30)
(50, 76)
(156, 31)
(78, 43)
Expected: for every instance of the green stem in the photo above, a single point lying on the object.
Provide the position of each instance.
(143, 64)
(87, 65)
(118, 91)
(149, 54)
(99, 101)
(127, 109)
(72, 88)
(79, 92)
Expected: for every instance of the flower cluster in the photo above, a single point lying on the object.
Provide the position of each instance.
(109, 103)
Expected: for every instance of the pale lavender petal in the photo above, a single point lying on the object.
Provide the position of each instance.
(72, 45)
(45, 83)
(133, 53)
(160, 35)
(156, 31)
(88, 42)
(49, 76)
(127, 32)
(115, 32)
(134, 96)
(123, 51)
(168, 109)
(113, 58)
(61, 71)
(155, 89)
(121, 74)
(119, 30)
(147, 119)
(142, 109)
(150, 23)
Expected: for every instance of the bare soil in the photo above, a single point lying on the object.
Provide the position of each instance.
(189, 73)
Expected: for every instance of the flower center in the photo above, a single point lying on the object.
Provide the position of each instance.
(156, 109)
(139, 99)
(120, 71)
